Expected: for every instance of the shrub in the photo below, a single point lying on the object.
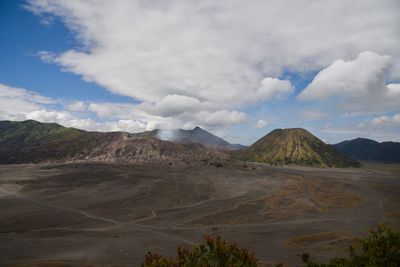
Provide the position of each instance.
(380, 249)
(214, 253)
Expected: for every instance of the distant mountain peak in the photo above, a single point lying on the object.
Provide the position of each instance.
(370, 150)
(297, 131)
(195, 136)
(295, 146)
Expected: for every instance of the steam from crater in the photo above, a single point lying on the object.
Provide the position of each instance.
(167, 134)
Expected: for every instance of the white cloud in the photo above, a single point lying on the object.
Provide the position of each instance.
(77, 106)
(173, 105)
(44, 115)
(14, 102)
(108, 109)
(386, 120)
(313, 114)
(132, 126)
(216, 52)
(22, 104)
(274, 88)
(349, 78)
(10, 92)
(393, 89)
(69, 120)
(220, 117)
(358, 84)
(379, 128)
(126, 111)
(46, 56)
(261, 124)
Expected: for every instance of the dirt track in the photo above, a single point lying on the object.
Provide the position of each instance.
(108, 214)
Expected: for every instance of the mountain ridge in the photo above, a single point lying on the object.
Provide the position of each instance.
(294, 146)
(370, 150)
(32, 141)
(198, 135)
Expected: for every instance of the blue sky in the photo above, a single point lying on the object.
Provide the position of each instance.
(236, 69)
(23, 36)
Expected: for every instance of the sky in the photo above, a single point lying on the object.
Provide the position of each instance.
(238, 69)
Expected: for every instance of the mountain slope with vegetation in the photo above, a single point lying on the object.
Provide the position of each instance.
(32, 141)
(295, 146)
(370, 150)
(380, 248)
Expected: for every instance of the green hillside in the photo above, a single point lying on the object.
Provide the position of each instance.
(30, 132)
(32, 141)
(295, 146)
(370, 150)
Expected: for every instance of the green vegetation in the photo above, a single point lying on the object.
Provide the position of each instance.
(369, 150)
(380, 249)
(30, 131)
(215, 253)
(297, 147)
(32, 141)
(387, 167)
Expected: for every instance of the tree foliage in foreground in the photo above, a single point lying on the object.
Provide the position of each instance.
(214, 253)
(380, 249)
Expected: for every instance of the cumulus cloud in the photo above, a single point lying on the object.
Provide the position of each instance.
(15, 102)
(393, 89)
(220, 117)
(261, 124)
(215, 52)
(274, 88)
(360, 84)
(131, 126)
(44, 115)
(173, 105)
(313, 114)
(13, 99)
(46, 56)
(349, 78)
(105, 110)
(21, 104)
(379, 128)
(386, 120)
(77, 106)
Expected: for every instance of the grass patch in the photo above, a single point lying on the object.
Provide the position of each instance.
(387, 167)
(318, 237)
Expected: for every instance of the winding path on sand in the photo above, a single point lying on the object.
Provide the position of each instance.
(117, 224)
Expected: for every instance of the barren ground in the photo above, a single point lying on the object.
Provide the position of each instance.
(94, 214)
